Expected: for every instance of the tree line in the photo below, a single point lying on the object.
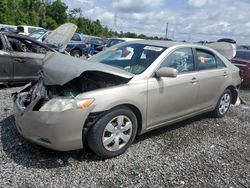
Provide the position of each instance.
(50, 14)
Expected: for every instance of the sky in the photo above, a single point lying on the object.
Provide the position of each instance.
(190, 20)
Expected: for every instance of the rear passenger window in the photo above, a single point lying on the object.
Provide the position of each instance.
(206, 60)
(220, 63)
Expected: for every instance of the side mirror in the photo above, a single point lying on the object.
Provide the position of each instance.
(166, 72)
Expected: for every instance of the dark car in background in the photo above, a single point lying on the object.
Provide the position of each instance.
(77, 45)
(242, 61)
(94, 45)
(21, 58)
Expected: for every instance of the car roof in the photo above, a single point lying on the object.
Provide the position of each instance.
(162, 43)
(24, 37)
(29, 26)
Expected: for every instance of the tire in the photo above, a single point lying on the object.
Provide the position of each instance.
(223, 104)
(76, 53)
(113, 133)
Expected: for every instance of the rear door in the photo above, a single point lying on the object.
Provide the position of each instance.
(6, 63)
(212, 76)
(27, 57)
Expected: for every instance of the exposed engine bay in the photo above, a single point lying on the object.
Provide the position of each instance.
(87, 81)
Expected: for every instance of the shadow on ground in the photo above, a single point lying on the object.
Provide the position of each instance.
(30, 155)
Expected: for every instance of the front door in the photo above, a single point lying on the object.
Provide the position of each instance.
(27, 58)
(6, 64)
(171, 98)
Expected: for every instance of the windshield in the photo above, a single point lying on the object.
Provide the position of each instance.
(131, 57)
(37, 34)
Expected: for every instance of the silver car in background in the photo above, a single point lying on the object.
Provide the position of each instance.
(127, 90)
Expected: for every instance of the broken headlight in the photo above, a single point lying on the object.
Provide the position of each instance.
(63, 104)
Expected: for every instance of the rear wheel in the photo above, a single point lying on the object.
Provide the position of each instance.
(113, 133)
(76, 53)
(223, 104)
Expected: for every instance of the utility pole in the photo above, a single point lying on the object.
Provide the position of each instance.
(115, 22)
(166, 34)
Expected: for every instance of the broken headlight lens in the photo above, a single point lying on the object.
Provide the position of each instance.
(63, 104)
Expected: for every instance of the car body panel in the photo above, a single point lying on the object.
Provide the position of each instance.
(52, 130)
(164, 92)
(58, 63)
(159, 101)
(26, 65)
(19, 66)
(6, 65)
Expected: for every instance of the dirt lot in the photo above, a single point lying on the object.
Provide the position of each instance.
(199, 152)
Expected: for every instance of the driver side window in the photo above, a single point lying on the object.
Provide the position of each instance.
(181, 59)
(23, 45)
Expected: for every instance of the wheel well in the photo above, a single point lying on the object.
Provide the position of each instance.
(94, 117)
(78, 49)
(234, 94)
(138, 115)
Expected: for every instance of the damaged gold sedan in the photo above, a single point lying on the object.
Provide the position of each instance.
(129, 89)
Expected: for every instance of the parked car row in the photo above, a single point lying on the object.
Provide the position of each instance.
(78, 46)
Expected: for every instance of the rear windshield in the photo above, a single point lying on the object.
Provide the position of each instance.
(243, 55)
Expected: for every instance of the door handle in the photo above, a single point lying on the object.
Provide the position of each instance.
(194, 80)
(225, 74)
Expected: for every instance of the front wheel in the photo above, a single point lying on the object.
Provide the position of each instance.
(223, 104)
(113, 133)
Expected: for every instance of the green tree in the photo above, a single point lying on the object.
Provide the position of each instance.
(57, 11)
(4, 11)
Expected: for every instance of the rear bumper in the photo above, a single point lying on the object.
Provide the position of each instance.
(60, 131)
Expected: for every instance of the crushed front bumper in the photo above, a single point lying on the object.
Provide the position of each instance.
(60, 131)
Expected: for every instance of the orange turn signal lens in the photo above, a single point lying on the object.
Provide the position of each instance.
(84, 103)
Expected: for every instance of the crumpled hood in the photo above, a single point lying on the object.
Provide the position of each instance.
(58, 69)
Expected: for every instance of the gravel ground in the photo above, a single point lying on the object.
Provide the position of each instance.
(199, 152)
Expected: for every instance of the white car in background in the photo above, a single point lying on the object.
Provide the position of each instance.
(26, 30)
